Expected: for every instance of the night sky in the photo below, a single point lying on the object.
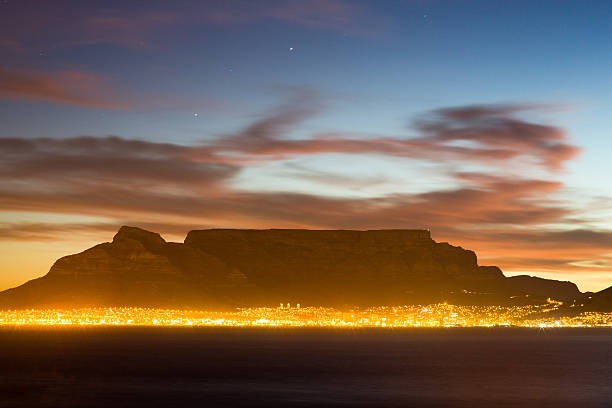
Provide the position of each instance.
(485, 121)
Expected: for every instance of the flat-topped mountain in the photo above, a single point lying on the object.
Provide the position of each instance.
(231, 267)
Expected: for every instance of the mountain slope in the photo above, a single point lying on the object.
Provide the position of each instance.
(595, 302)
(228, 268)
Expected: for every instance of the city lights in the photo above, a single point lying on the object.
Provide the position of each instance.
(435, 315)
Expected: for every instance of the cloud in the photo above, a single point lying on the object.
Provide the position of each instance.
(538, 249)
(331, 15)
(23, 231)
(70, 87)
(492, 135)
(495, 128)
(41, 25)
(9, 45)
(132, 30)
(456, 208)
(88, 165)
(503, 227)
(509, 219)
(79, 162)
(40, 231)
(82, 88)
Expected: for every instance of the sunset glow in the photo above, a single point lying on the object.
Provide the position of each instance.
(305, 203)
(321, 115)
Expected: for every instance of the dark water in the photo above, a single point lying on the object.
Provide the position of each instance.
(294, 368)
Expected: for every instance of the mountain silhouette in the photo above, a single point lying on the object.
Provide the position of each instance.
(224, 268)
(595, 302)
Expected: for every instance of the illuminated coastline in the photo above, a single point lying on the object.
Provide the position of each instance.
(435, 315)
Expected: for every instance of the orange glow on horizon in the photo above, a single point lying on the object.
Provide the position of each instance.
(435, 315)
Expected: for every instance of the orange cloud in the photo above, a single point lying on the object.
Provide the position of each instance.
(492, 135)
(80, 88)
(70, 87)
(507, 219)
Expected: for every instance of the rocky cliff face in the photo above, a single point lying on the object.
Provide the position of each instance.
(225, 268)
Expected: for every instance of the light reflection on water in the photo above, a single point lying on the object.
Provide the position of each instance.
(305, 367)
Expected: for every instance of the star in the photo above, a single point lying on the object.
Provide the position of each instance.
(291, 49)
(195, 114)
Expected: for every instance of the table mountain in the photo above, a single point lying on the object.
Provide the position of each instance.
(221, 268)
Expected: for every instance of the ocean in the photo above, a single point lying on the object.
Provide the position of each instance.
(247, 367)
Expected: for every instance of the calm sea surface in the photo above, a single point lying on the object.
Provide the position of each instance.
(136, 367)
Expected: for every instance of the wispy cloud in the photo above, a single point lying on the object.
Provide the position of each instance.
(497, 132)
(44, 25)
(492, 135)
(48, 26)
(347, 17)
(82, 88)
(509, 217)
(107, 162)
(71, 87)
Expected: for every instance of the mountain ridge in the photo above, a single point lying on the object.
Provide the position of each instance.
(249, 267)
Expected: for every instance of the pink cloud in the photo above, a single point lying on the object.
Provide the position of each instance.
(71, 87)
(172, 188)
(42, 25)
(491, 135)
(81, 88)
